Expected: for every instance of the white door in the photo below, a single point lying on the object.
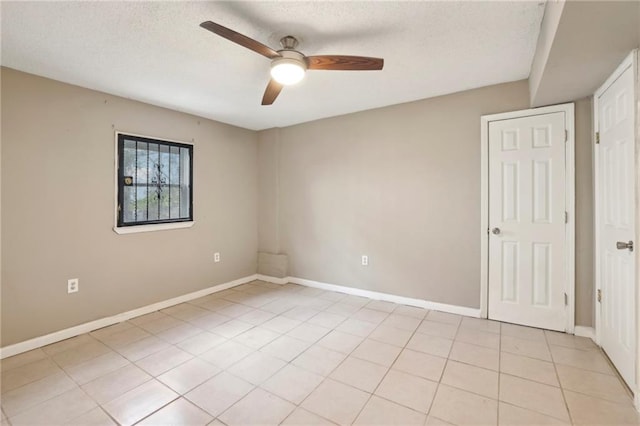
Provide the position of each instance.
(616, 222)
(527, 275)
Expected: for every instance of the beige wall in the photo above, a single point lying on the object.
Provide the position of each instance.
(400, 184)
(585, 278)
(58, 200)
(268, 238)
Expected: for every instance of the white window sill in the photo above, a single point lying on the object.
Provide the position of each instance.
(151, 228)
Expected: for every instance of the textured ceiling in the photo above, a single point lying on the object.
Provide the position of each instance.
(156, 52)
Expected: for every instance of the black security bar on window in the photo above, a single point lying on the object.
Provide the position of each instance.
(155, 181)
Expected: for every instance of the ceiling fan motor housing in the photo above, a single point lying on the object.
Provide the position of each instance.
(289, 68)
(290, 57)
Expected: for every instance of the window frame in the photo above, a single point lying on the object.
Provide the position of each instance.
(120, 226)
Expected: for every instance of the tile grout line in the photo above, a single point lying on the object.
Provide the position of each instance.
(225, 370)
(159, 408)
(334, 369)
(130, 362)
(288, 363)
(541, 383)
(387, 372)
(347, 317)
(6, 418)
(444, 368)
(616, 373)
(77, 385)
(349, 354)
(555, 368)
(113, 350)
(477, 366)
(152, 377)
(337, 366)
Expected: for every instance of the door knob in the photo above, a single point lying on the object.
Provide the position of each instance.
(621, 245)
(496, 231)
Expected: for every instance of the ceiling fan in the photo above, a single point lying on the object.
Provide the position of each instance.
(288, 66)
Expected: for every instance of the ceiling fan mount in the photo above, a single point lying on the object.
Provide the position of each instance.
(288, 66)
(289, 42)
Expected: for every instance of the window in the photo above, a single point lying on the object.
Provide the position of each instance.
(154, 181)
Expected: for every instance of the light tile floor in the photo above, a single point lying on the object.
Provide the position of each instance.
(268, 354)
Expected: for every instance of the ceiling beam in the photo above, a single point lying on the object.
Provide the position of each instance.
(579, 46)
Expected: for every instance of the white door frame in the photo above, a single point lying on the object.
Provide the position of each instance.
(629, 61)
(568, 109)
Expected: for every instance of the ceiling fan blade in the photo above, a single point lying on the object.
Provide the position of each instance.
(271, 92)
(346, 63)
(240, 39)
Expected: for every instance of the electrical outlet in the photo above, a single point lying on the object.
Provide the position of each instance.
(72, 285)
(216, 257)
(365, 260)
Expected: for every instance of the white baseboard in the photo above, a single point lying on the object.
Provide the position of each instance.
(67, 333)
(583, 331)
(442, 307)
(273, 280)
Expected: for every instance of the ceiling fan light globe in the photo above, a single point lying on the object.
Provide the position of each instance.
(287, 72)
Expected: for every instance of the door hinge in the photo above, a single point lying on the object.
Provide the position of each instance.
(597, 137)
(599, 296)
(566, 135)
(566, 217)
(566, 300)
